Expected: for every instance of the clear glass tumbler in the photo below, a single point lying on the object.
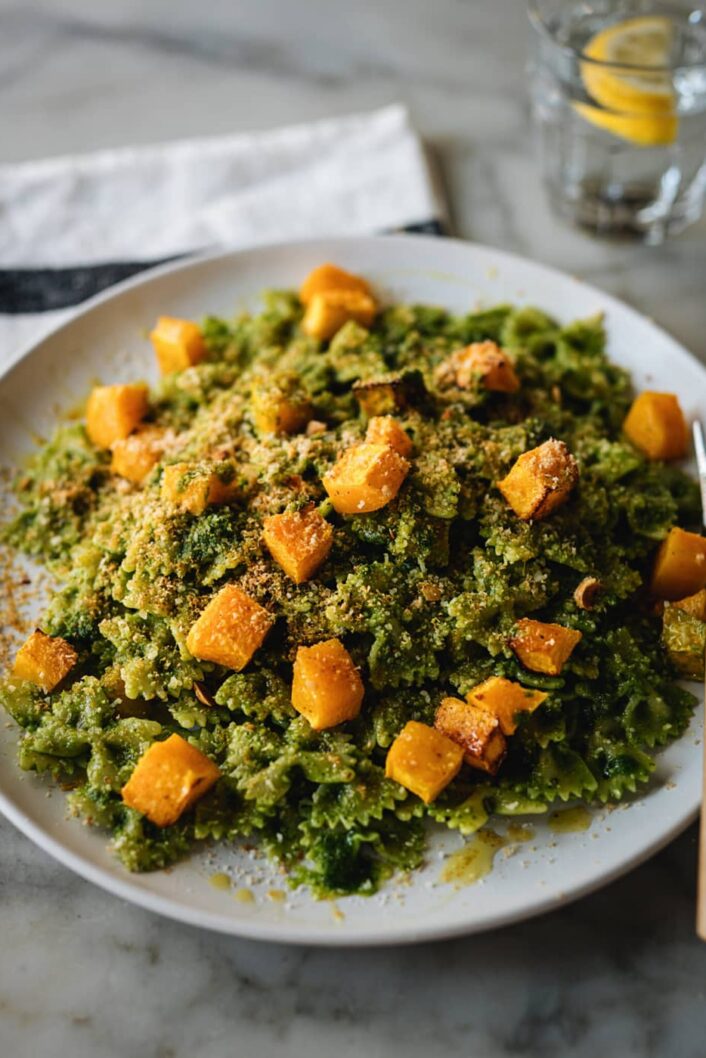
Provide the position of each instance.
(619, 101)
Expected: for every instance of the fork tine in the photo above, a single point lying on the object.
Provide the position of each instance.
(700, 449)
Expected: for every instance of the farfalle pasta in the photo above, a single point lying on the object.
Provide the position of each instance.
(306, 560)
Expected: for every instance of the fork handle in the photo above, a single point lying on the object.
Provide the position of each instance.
(701, 884)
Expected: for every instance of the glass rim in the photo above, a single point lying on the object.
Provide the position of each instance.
(539, 23)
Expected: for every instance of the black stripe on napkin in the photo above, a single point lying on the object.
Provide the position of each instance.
(33, 290)
(425, 227)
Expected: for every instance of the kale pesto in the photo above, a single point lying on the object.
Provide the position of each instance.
(425, 593)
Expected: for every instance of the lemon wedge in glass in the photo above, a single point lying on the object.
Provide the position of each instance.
(634, 93)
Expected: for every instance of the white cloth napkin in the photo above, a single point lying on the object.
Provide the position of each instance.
(71, 226)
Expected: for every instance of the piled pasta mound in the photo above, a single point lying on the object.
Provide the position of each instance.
(348, 569)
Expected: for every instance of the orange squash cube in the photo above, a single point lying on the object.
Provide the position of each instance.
(280, 406)
(136, 455)
(330, 277)
(177, 343)
(505, 699)
(281, 416)
(386, 394)
(543, 647)
(168, 779)
(540, 480)
(384, 430)
(298, 541)
(195, 486)
(680, 565)
(484, 361)
(326, 688)
(475, 730)
(365, 478)
(328, 311)
(695, 605)
(44, 660)
(423, 760)
(684, 639)
(230, 629)
(113, 412)
(655, 424)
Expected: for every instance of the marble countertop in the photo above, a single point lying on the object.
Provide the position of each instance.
(83, 974)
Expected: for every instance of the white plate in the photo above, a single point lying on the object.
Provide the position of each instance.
(106, 340)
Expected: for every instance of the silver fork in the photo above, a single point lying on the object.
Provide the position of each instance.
(700, 449)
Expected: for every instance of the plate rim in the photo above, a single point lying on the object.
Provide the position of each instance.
(276, 932)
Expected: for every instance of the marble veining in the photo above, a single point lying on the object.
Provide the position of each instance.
(81, 973)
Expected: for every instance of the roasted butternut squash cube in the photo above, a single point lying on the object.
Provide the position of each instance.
(44, 660)
(113, 412)
(298, 541)
(388, 394)
(475, 730)
(680, 565)
(230, 629)
(168, 779)
(543, 647)
(136, 455)
(195, 486)
(326, 688)
(540, 480)
(365, 478)
(505, 699)
(684, 639)
(330, 277)
(178, 344)
(655, 424)
(482, 361)
(423, 760)
(328, 311)
(280, 406)
(384, 430)
(281, 416)
(695, 605)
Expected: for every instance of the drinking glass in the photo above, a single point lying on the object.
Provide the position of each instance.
(618, 95)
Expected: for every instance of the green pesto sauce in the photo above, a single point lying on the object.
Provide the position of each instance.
(424, 593)
(520, 832)
(570, 820)
(474, 861)
(244, 895)
(220, 880)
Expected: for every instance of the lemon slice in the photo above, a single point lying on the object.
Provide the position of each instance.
(642, 130)
(637, 104)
